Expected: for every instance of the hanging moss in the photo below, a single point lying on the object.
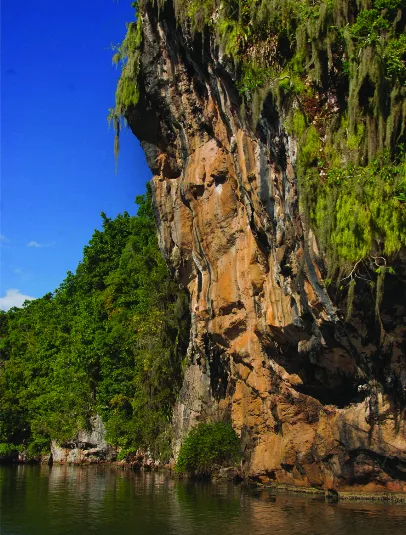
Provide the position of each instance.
(337, 71)
(356, 209)
(127, 55)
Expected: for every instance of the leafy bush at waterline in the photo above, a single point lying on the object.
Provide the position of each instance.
(208, 446)
(8, 451)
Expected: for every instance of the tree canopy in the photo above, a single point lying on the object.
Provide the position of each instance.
(110, 340)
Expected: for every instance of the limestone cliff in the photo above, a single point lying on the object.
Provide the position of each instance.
(317, 401)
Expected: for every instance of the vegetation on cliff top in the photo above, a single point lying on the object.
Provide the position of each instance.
(111, 340)
(336, 71)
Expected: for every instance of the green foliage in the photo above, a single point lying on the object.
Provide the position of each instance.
(395, 58)
(38, 446)
(358, 209)
(126, 454)
(127, 93)
(198, 11)
(7, 450)
(354, 140)
(110, 340)
(368, 27)
(252, 78)
(388, 4)
(310, 149)
(401, 192)
(299, 123)
(207, 447)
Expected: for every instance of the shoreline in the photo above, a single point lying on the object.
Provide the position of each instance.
(333, 495)
(330, 495)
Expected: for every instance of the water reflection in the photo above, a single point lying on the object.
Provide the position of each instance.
(38, 500)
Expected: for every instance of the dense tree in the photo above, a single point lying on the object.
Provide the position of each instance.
(110, 340)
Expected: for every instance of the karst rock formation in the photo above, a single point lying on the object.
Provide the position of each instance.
(317, 401)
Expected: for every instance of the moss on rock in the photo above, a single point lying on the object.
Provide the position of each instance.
(336, 69)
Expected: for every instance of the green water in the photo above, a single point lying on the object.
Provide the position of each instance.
(38, 500)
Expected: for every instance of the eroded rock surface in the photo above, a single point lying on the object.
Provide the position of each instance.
(88, 447)
(317, 402)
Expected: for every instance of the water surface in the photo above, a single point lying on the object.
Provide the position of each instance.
(63, 500)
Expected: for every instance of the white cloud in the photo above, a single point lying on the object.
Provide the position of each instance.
(13, 298)
(33, 243)
(4, 241)
(21, 273)
(18, 271)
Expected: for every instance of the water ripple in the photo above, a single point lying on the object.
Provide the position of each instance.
(63, 500)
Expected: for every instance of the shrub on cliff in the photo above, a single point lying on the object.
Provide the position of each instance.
(207, 447)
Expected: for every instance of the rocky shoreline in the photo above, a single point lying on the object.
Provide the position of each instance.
(233, 475)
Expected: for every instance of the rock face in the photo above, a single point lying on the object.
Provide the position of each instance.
(317, 401)
(89, 447)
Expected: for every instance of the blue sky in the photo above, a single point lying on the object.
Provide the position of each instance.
(57, 162)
